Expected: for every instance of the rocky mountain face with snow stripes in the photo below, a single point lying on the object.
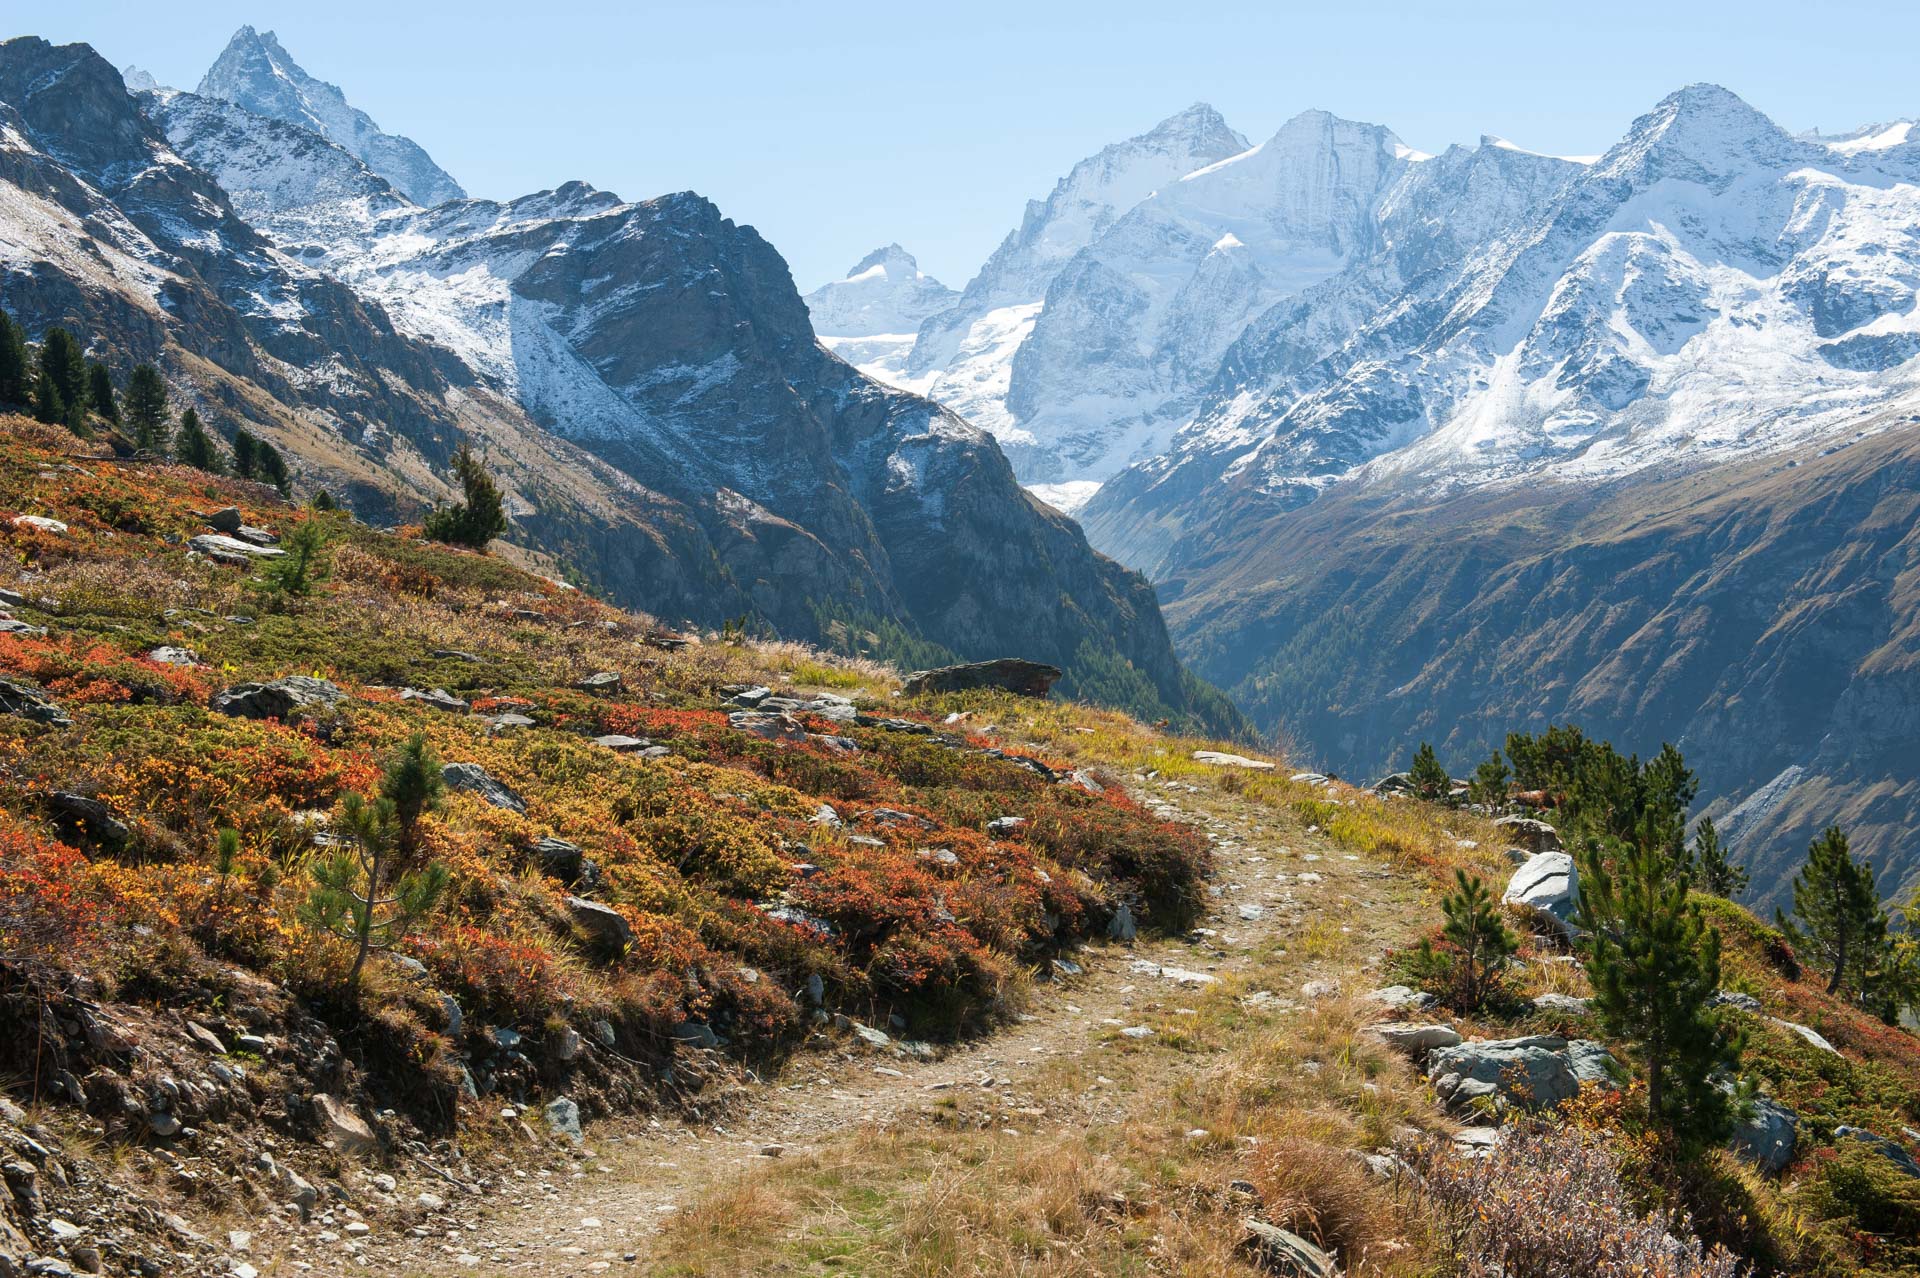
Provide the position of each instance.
(1286, 378)
(254, 72)
(642, 376)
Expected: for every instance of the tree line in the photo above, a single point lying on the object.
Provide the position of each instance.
(58, 384)
(1651, 955)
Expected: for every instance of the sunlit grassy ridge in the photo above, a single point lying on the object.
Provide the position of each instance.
(923, 917)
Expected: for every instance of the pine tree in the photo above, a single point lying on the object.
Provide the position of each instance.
(100, 392)
(1654, 964)
(305, 565)
(374, 894)
(1475, 928)
(244, 445)
(1837, 917)
(1491, 781)
(16, 381)
(272, 467)
(192, 446)
(414, 785)
(49, 405)
(477, 520)
(1718, 875)
(146, 408)
(1429, 778)
(61, 358)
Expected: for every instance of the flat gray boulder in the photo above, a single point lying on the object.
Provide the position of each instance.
(1766, 1137)
(1562, 1004)
(1547, 887)
(1402, 998)
(471, 778)
(770, 727)
(1008, 674)
(231, 550)
(1534, 836)
(1592, 1064)
(31, 704)
(276, 699)
(602, 922)
(1280, 1252)
(438, 698)
(1416, 1040)
(1531, 1072)
(1887, 1149)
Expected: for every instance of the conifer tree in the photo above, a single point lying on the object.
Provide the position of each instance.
(375, 893)
(1491, 781)
(272, 467)
(146, 408)
(477, 520)
(49, 405)
(1654, 964)
(16, 380)
(1837, 918)
(1429, 778)
(244, 445)
(1718, 875)
(1475, 928)
(62, 360)
(192, 446)
(100, 392)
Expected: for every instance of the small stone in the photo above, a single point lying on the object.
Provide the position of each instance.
(346, 1129)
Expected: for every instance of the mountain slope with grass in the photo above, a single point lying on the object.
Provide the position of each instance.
(739, 960)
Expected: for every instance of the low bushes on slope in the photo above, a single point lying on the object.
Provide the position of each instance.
(735, 894)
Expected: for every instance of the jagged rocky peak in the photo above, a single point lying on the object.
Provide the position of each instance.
(138, 80)
(885, 292)
(255, 72)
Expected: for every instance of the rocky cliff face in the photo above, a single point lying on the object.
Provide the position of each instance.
(1762, 616)
(642, 375)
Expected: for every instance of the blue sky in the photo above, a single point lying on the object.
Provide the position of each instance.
(836, 127)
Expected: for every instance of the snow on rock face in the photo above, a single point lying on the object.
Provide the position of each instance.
(256, 73)
(1709, 287)
(1142, 316)
(962, 355)
(885, 294)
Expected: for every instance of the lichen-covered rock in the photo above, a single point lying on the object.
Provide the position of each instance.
(276, 699)
(1531, 1072)
(1767, 1135)
(471, 778)
(31, 704)
(1008, 674)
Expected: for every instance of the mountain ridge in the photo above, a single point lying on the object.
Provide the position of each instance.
(631, 419)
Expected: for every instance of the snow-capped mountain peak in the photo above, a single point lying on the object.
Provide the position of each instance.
(869, 318)
(1702, 133)
(255, 72)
